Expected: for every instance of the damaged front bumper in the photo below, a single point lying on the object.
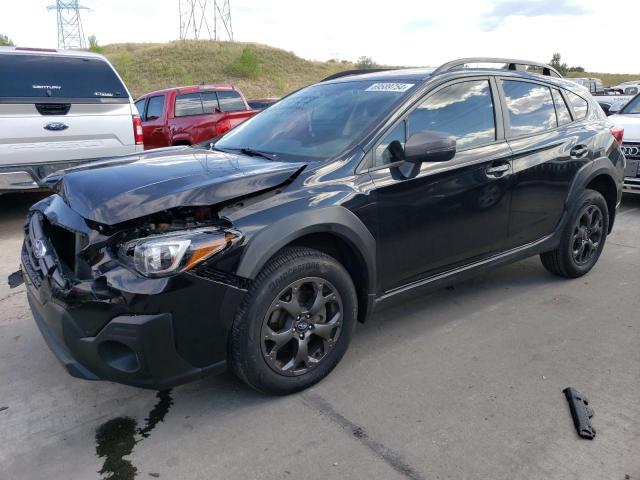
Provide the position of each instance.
(114, 324)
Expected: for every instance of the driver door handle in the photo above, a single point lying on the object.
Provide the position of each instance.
(497, 170)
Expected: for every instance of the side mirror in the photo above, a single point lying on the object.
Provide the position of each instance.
(429, 147)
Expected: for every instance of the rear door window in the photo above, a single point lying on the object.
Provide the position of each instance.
(579, 104)
(140, 106)
(209, 101)
(230, 101)
(562, 111)
(188, 104)
(530, 107)
(57, 76)
(155, 108)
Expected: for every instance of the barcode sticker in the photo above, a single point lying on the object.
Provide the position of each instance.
(390, 87)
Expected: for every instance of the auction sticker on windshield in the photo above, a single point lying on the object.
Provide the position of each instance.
(389, 87)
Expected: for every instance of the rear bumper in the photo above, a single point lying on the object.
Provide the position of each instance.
(17, 180)
(29, 177)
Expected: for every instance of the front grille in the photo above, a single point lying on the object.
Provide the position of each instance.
(36, 267)
(631, 150)
(60, 245)
(63, 242)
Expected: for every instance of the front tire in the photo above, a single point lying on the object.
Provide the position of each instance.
(582, 239)
(295, 323)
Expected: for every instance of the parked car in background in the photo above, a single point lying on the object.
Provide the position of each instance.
(261, 103)
(629, 119)
(190, 115)
(613, 101)
(628, 88)
(594, 85)
(262, 254)
(59, 109)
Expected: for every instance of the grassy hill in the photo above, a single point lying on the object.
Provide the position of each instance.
(258, 70)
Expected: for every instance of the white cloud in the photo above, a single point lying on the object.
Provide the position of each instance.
(404, 32)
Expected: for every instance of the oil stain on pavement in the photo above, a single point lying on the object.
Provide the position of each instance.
(116, 439)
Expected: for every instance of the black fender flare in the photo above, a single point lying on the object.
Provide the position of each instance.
(600, 166)
(333, 220)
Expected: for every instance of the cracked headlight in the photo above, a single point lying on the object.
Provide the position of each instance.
(171, 253)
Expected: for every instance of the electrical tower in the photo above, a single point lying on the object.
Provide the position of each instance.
(70, 33)
(205, 19)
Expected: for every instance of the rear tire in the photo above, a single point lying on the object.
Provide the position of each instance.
(583, 238)
(295, 323)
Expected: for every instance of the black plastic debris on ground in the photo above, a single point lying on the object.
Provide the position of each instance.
(15, 279)
(581, 413)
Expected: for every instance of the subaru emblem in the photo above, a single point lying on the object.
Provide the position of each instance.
(39, 249)
(56, 126)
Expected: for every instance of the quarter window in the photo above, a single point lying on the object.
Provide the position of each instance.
(562, 111)
(155, 108)
(188, 104)
(391, 149)
(579, 104)
(463, 110)
(140, 107)
(530, 107)
(230, 101)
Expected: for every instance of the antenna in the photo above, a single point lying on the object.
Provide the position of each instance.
(70, 33)
(205, 19)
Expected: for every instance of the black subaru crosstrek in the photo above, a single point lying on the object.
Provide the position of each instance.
(262, 252)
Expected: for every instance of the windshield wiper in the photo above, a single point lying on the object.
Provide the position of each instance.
(257, 153)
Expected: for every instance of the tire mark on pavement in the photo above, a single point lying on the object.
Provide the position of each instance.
(392, 458)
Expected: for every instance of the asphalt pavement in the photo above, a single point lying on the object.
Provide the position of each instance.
(465, 383)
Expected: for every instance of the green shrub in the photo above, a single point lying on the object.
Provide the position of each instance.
(245, 66)
(94, 46)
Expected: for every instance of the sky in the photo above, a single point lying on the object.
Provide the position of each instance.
(589, 33)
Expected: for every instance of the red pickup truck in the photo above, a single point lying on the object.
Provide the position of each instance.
(190, 115)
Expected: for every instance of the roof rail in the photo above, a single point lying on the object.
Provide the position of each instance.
(510, 64)
(347, 73)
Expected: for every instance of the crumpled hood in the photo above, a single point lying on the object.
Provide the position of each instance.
(138, 185)
(631, 124)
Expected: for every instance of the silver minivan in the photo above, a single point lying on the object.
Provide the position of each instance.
(59, 109)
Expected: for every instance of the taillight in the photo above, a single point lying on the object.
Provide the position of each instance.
(137, 130)
(618, 134)
(222, 126)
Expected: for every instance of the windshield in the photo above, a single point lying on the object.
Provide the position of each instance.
(318, 122)
(633, 107)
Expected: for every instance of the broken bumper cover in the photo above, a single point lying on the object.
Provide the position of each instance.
(136, 350)
(112, 323)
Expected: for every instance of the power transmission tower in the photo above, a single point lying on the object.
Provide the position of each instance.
(70, 33)
(205, 19)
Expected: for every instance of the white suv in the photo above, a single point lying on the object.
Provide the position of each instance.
(59, 109)
(629, 119)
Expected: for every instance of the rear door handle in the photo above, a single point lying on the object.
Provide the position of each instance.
(579, 151)
(157, 130)
(498, 170)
